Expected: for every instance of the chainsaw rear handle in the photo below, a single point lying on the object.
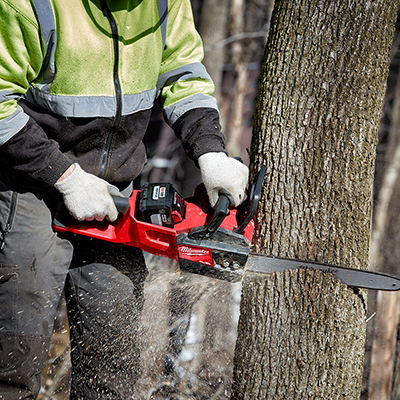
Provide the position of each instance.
(121, 203)
(62, 215)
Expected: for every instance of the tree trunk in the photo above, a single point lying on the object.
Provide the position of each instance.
(301, 333)
(248, 28)
(384, 346)
(240, 72)
(213, 29)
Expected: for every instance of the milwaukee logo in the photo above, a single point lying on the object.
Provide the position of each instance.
(195, 254)
(193, 251)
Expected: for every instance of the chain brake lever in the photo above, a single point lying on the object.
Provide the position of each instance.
(255, 194)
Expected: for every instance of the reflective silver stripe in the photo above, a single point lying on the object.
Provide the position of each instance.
(163, 13)
(8, 94)
(90, 106)
(47, 24)
(173, 112)
(190, 71)
(12, 124)
(132, 103)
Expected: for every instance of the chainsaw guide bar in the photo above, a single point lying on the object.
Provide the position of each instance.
(350, 276)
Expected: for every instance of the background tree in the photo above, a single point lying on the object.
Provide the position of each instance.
(382, 363)
(301, 333)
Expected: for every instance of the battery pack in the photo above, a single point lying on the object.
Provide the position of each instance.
(161, 204)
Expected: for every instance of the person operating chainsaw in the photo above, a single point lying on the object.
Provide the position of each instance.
(78, 80)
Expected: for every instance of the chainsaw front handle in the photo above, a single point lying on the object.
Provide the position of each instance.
(221, 211)
(222, 207)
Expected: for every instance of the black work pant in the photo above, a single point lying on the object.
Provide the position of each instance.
(103, 284)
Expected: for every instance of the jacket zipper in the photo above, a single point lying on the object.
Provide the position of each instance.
(10, 219)
(117, 86)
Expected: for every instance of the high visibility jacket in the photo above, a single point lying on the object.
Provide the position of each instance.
(78, 79)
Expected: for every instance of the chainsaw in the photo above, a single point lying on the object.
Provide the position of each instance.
(214, 242)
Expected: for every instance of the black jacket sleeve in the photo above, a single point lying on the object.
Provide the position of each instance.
(33, 154)
(200, 132)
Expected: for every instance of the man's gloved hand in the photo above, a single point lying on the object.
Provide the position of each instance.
(223, 174)
(88, 197)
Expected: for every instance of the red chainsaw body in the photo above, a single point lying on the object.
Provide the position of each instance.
(130, 230)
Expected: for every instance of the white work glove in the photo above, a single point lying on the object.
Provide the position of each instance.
(223, 174)
(88, 197)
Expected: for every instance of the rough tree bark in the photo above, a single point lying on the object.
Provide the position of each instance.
(301, 333)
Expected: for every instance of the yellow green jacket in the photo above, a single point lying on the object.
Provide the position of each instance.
(78, 80)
